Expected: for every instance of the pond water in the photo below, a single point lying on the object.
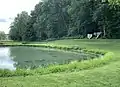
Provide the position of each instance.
(28, 57)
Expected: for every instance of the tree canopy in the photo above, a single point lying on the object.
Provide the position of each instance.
(63, 18)
(2, 35)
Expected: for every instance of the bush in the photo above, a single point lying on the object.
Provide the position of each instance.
(25, 42)
(1, 43)
(74, 37)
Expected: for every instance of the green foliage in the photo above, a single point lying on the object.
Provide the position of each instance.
(19, 27)
(114, 2)
(67, 18)
(18, 72)
(2, 35)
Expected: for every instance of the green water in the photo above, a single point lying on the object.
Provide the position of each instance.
(25, 57)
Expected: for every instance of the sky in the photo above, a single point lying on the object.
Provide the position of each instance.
(10, 8)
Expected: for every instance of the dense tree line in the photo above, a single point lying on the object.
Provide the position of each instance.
(67, 18)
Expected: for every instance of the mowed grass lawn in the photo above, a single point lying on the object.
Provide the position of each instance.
(105, 76)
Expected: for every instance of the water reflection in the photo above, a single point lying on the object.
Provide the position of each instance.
(6, 61)
(32, 57)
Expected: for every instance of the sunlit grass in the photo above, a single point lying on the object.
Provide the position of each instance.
(101, 74)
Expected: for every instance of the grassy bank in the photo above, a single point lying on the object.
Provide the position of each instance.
(71, 67)
(90, 73)
(106, 57)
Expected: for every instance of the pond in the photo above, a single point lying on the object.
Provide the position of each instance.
(30, 57)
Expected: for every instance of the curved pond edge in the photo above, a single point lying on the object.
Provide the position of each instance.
(71, 67)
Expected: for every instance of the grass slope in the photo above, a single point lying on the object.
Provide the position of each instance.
(106, 76)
